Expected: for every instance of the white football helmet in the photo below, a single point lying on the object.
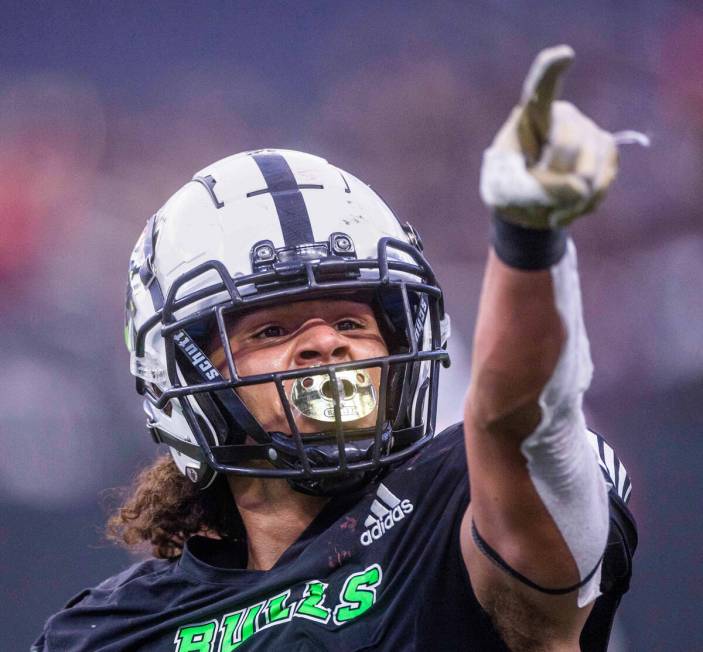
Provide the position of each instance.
(270, 227)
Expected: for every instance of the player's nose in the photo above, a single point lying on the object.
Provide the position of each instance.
(319, 342)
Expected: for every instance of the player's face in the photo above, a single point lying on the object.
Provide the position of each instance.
(294, 336)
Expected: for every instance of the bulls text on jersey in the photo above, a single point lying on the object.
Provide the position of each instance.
(357, 596)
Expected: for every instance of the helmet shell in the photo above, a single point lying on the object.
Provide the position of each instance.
(283, 198)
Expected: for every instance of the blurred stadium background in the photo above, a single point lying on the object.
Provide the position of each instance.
(106, 108)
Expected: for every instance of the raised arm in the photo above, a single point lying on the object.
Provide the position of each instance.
(537, 525)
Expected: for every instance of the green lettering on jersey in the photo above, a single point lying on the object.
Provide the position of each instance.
(311, 605)
(358, 594)
(274, 611)
(234, 634)
(228, 628)
(196, 638)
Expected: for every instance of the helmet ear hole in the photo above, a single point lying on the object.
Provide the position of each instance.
(419, 407)
(216, 430)
(404, 395)
(390, 316)
(395, 389)
(206, 429)
(156, 391)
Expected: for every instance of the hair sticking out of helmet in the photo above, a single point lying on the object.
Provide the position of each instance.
(267, 229)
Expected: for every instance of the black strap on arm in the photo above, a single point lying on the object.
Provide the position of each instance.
(616, 571)
(487, 550)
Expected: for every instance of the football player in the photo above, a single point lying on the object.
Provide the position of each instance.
(286, 333)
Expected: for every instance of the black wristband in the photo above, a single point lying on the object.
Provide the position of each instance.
(527, 249)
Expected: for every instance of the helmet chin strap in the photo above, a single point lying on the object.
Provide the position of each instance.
(326, 453)
(335, 485)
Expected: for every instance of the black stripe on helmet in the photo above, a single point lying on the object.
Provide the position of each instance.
(289, 202)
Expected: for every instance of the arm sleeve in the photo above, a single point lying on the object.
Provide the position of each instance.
(562, 465)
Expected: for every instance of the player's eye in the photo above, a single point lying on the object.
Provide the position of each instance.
(348, 325)
(272, 330)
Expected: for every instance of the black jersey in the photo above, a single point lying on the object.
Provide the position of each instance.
(378, 570)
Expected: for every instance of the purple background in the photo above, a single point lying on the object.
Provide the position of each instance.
(107, 108)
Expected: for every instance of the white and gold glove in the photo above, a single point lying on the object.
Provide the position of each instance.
(549, 163)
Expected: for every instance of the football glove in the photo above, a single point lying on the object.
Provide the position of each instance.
(549, 163)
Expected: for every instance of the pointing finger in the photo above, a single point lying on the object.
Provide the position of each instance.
(541, 86)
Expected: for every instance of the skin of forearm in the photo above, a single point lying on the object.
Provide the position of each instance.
(519, 336)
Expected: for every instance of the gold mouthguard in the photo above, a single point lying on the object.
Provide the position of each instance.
(313, 396)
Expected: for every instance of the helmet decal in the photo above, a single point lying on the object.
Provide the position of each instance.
(208, 183)
(290, 205)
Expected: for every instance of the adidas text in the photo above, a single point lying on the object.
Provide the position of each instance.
(385, 511)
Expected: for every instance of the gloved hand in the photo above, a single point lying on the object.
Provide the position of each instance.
(549, 163)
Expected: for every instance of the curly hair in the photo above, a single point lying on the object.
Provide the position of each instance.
(163, 508)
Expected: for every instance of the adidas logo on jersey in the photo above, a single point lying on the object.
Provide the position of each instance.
(386, 510)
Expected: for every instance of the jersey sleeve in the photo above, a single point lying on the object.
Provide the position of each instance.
(620, 549)
(622, 539)
(613, 469)
(41, 644)
(66, 630)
